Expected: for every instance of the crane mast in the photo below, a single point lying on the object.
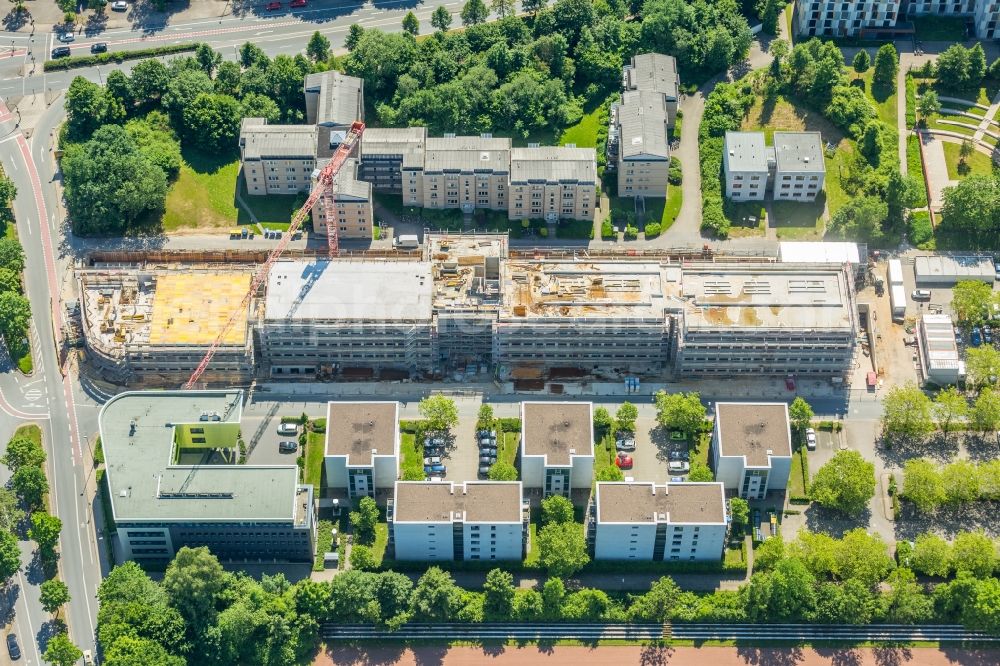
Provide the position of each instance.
(323, 189)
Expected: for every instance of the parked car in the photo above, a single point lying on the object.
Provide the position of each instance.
(288, 446)
(921, 294)
(119, 6)
(810, 439)
(273, 6)
(432, 460)
(488, 451)
(433, 451)
(491, 434)
(287, 429)
(67, 37)
(623, 461)
(88, 658)
(99, 47)
(678, 466)
(487, 460)
(431, 470)
(13, 649)
(625, 442)
(297, 3)
(484, 470)
(679, 455)
(975, 337)
(60, 52)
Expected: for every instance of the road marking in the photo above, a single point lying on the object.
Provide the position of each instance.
(27, 613)
(264, 32)
(33, 395)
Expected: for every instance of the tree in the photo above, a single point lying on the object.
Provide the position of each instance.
(769, 16)
(800, 413)
(474, 12)
(485, 419)
(15, 315)
(193, 582)
(533, 6)
(739, 508)
(553, 593)
(886, 65)
(700, 472)
(923, 485)
(965, 150)
(602, 420)
(562, 548)
(23, 452)
(905, 602)
(11, 254)
(982, 611)
(7, 192)
(609, 473)
(658, 604)
(318, 48)
(977, 65)
(846, 483)
(502, 470)
(411, 24)
(871, 144)
(502, 8)
(86, 107)
(61, 651)
(10, 555)
(862, 61)
(212, 122)
(862, 556)
(207, 58)
(931, 555)
(254, 105)
(498, 595)
(435, 598)
(44, 531)
(961, 482)
(949, 406)
(354, 35)
(985, 413)
(441, 19)
(365, 519)
(817, 550)
(849, 602)
(54, 594)
(252, 55)
(860, 218)
(971, 301)
(556, 509)
(680, 411)
(11, 514)
(439, 411)
(975, 553)
(972, 205)
(9, 280)
(528, 605)
(149, 80)
(626, 415)
(30, 484)
(982, 367)
(928, 104)
(906, 412)
(362, 558)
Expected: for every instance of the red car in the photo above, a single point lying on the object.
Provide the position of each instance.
(624, 461)
(273, 6)
(297, 3)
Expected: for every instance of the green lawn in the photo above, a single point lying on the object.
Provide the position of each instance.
(884, 100)
(25, 364)
(508, 447)
(412, 451)
(957, 129)
(914, 166)
(797, 481)
(381, 541)
(531, 559)
(324, 539)
(939, 28)
(604, 453)
(836, 165)
(976, 164)
(584, 133)
(982, 95)
(798, 220)
(315, 450)
(699, 452)
(665, 211)
(739, 215)
(575, 229)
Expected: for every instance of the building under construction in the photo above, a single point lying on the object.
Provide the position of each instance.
(152, 328)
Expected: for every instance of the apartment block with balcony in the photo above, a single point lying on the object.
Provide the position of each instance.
(553, 183)
(362, 448)
(747, 164)
(845, 18)
(277, 159)
(475, 520)
(649, 522)
(643, 152)
(466, 172)
(557, 446)
(799, 167)
(351, 201)
(986, 17)
(752, 447)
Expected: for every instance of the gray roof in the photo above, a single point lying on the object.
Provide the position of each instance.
(340, 97)
(942, 269)
(642, 117)
(645, 502)
(467, 154)
(756, 430)
(553, 164)
(145, 486)
(799, 151)
(653, 71)
(262, 141)
(406, 142)
(362, 430)
(349, 291)
(347, 186)
(745, 151)
(552, 429)
(469, 502)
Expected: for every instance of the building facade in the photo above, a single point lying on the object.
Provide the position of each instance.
(643, 151)
(350, 204)
(392, 156)
(747, 165)
(362, 448)
(557, 446)
(792, 169)
(552, 183)
(277, 159)
(752, 447)
(467, 173)
(884, 18)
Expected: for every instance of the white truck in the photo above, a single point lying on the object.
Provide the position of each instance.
(895, 273)
(407, 242)
(897, 298)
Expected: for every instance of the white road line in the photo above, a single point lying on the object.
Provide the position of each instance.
(264, 32)
(27, 614)
(14, 165)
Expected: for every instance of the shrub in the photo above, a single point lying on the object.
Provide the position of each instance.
(607, 230)
(920, 229)
(674, 175)
(116, 56)
(631, 232)
(652, 230)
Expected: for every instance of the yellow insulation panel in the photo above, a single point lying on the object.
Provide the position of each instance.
(192, 308)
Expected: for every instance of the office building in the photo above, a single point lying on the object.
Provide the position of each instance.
(173, 481)
(362, 447)
(557, 446)
(649, 522)
(752, 447)
(477, 520)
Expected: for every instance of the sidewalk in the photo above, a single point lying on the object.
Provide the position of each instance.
(46, 14)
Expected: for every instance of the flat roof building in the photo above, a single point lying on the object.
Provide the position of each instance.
(553, 183)
(650, 522)
(747, 164)
(643, 150)
(793, 169)
(557, 446)
(476, 520)
(362, 447)
(172, 482)
(940, 360)
(752, 447)
(819, 252)
(334, 99)
(949, 269)
(655, 72)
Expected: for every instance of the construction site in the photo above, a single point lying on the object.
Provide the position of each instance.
(466, 307)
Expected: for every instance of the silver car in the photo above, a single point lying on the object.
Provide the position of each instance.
(678, 466)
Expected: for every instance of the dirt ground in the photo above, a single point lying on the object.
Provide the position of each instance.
(658, 656)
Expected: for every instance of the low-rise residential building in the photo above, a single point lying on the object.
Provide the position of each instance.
(649, 522)
(476, 520)
(752, 447)
(333, 99)
(466, 172)
(940, 360)
(888, 18)
(747, 164)
(655, 72)
(392, 157)
(362, 447)
(277, 159)
(799, 167)
(553, 183)
(172, 481)
(643, 150)
(557, 446)
(351, 201)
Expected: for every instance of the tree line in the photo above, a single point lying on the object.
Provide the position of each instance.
(15, 310)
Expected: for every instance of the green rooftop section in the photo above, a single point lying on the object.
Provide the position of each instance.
(138, 433)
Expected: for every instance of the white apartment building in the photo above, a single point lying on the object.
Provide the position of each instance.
(352, 204)
(477, 520)
(747, 164)
(879, 18)
(799, 167)
(466, 172)
(986, 16)
(362, 448)
(557, 446)
(649, 522)
(752, 447)
(558, 182)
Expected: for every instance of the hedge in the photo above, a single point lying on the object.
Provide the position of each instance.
(115, 57)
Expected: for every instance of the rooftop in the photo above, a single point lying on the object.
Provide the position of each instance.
(784, 296)
(818, 252)
(193, 308)
(942, 267)
(466, 270)
(689, 502)
(146, 486)
(745, 151)
(362, 430)
(653, 71)
(799, 151)
(467, 154)
(561, 289)
(347, 187)
(938, 342)
(552, 429)
(407, 142)
(340, 97)
(262, 141)
(553, 164)
(642, 116)
(469, 502)
(756, 430)
(349, 290)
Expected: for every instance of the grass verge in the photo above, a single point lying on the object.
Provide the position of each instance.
(324, 539)
(315, 449)
(798, 479)
(975, 164)
(915, 167)
(412, 465)
(509, 445)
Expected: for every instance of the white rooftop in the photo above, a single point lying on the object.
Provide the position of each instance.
(818, 252)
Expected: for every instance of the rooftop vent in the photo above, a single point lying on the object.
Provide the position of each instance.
(806, 160)
(484, 156)
(533, 144)
(485, 135)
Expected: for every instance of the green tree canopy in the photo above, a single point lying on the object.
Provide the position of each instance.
(439, 411)
(886, 65)
(931, 555)
(441, 19)
(193, 582)
(11, 254)
(411, 24)
(985, 413)
(474, 12)
(972, 301)
(318, 48)
(556, 509)
(10, 555)
(982, 367)
(435, 598)
(950, 406)
(362, 558)
(862, 556)
(54, 594)
(44, 531)
(498, 592)
(861, 218)
(23, 452)
(846, 483)
(502, 470)
(626, 416)
(906, 412)
(975, 553)
(922, 484)
(609, 473)
(30, 485)
(60, 651)
(562, 548)
(364, 519)
(862, 61)
(680, 411)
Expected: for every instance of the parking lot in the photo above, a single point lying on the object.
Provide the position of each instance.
(261, 436)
